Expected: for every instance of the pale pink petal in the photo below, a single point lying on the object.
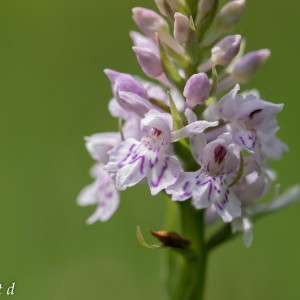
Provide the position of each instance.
(243, 224)
(121, 155)
(191, 129)
(158, 120)
(162, 173)
(101, 192)
(227, 205)
(98, 144)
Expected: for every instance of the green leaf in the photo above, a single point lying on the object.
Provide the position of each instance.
(177, 121)
(120, 126)
(240, 172)
(215, 81)
(182, 61)
(142, 241)
(169, 68)
(161, 104)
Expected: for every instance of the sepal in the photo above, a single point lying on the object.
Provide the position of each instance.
(142, 241)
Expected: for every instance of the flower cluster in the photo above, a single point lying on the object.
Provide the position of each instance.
(188, 130)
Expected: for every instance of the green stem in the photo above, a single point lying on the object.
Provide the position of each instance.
(169, 258)
(192, 276)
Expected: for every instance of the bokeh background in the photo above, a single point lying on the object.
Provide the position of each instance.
(53, 93)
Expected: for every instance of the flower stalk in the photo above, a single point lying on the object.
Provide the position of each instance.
(193, 271)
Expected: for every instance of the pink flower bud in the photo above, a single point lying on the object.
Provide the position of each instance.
(174, 5)
(126, 83)
(151, 24)
(225, 50)
(230, 15)
(181, 28)
(205, 8)
(139, 40)
(196, 90)
(249, 64)
(149, 61)
(149, 21)
(161, 6)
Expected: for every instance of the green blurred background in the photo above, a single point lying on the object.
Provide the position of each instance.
(53, 92)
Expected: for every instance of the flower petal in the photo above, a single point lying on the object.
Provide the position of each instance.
(290, 196)
(227, 204)
(121, 155)
(183, 187)
(98, 144)
(136, 103)
(158, 120)
(191, 129)
(162, 173)
(103, 193)
(243, 224)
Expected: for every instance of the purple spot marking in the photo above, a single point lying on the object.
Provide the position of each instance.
(152, 164)
(208, 167)
(210, 190)
(186, 185)
(121, 163)
(103, 186)
(217, 190)
(185, 195)
(164, 168)
(131, 148)
(251, 115)
(220, 206)
(242, 140)
(219, 154)
(206, 182)
(142, 157)
(109, 195)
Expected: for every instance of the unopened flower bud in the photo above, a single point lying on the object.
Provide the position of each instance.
(139, 40)
(151, 24)
(226, 20)
(181, 28)
(164, 5)
(149, 61)
(230, 15)
(161, 5)
(125, 82)
(205, 8)
(149, 21)
(196, 90)
(249, 64)
(225, 50)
